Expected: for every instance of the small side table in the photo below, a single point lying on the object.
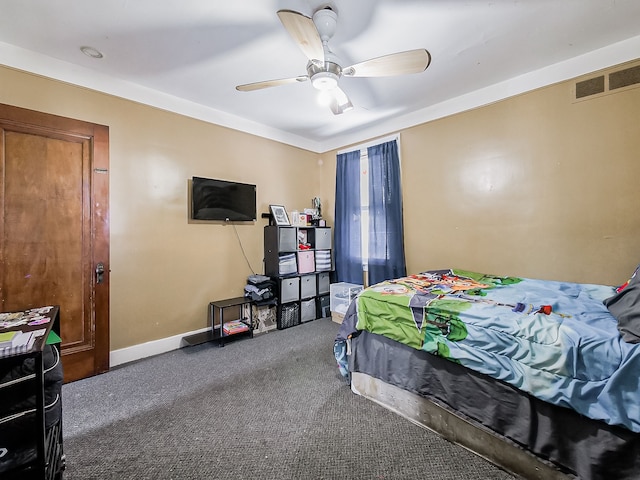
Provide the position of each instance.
(217, 332)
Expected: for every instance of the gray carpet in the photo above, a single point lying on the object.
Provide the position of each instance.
(271, 407)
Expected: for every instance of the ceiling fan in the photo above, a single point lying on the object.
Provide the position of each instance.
(324, 70)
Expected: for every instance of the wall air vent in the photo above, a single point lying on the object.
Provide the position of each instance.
(612, 80)
(590, 87)
(624, 78)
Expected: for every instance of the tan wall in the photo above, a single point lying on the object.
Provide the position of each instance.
(164, 269)
(533, 186)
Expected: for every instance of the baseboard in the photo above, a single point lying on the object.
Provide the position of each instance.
(148, 349)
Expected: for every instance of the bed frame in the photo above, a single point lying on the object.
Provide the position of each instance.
(520, 433)
(455, 428)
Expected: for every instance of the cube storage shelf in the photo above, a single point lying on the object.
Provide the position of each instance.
(299, 259)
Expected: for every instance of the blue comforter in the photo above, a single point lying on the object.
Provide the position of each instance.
(554, 340)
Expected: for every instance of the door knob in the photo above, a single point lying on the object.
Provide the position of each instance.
(99, 273)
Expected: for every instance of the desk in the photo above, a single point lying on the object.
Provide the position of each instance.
(217, 332)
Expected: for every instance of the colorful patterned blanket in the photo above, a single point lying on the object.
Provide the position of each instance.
(554, 340)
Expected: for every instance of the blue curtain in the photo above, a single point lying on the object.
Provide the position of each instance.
(386, 238)
(347, 238)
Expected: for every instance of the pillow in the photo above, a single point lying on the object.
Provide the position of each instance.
(625, 307)
(625, 284)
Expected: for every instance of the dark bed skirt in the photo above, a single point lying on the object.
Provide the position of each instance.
(555, 436)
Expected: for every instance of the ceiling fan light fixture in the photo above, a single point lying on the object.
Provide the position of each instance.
(324, 81)
(325, 76)
(324, 98)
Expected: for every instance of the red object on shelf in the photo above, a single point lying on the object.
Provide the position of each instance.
(235, 326)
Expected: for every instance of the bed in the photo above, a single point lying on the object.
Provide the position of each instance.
(540, 377)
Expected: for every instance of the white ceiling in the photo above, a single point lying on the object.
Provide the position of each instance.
(187, 56)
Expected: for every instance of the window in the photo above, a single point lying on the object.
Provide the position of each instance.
(369, 226)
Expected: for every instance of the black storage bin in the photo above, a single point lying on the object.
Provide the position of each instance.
(288, 315)
(324, 306)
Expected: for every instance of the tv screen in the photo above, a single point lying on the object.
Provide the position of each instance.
(222, 200)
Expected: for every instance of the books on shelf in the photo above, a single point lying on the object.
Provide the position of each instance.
(18, 342)
(7, 338)
(235, 326)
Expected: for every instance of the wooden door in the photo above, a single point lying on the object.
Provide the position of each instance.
(54, 229)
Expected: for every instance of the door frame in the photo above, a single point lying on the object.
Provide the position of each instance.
(82, 362)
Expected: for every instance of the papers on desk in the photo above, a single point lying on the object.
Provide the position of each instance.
(34, 316)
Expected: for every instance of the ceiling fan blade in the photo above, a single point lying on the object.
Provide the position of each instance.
(339, 103)
(411, 61)
(304, 33)
(248, 87)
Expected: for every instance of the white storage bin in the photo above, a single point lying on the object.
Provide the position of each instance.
(287, 264)
(342, 294)
(324, 280)
(306, 263)
(323, 260)
(323, 239)
(308, 310)
(289, 289)
(287, 241)
(307, 286)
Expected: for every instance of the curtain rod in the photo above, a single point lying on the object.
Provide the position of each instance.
(377, 141)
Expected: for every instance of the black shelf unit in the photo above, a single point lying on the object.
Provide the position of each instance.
(216, 332)
(299, 259)
(38, 449)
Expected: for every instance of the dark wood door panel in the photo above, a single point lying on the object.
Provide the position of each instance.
(54, 228)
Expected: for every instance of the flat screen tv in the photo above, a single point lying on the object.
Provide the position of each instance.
(222, 200)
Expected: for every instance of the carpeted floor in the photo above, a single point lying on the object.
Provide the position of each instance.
(271, 407)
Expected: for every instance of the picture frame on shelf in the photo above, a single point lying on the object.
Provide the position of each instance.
(279, 215)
